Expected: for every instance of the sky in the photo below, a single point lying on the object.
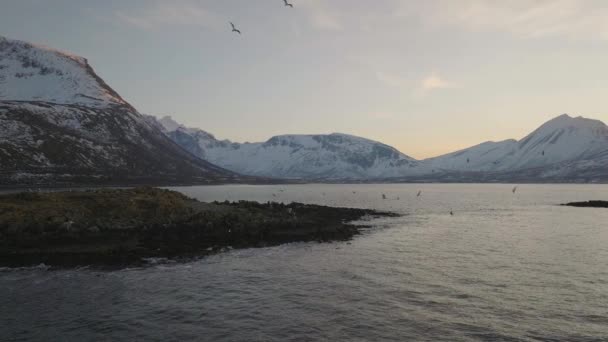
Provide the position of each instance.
(427, 77)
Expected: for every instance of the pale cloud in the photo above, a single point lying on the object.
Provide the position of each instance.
(576, 19)
(175, 13)
(419, 88)
(433, 82)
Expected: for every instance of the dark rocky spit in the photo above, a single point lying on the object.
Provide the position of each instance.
(117, 228)
(588, 204)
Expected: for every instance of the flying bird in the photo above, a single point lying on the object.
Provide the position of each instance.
(287, 4)
(234, 28)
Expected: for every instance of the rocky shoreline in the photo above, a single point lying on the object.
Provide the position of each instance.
(588, 204)
(112, 227)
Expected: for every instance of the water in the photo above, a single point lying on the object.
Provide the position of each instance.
(505, 267)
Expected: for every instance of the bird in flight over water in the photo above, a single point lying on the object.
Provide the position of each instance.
(234, 28)
(287, 4)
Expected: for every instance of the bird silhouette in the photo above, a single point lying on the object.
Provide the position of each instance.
(287, 4)
(234, 28)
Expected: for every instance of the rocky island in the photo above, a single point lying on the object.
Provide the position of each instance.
(588, 204)
(120, 227)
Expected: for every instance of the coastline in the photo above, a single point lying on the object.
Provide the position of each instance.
(116, 227)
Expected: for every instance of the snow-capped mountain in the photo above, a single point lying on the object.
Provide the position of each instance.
(30, 72)
(331, 156)
(60, 122)
(563, 139)
(563, 149)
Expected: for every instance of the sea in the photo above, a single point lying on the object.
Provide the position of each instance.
(464, 262)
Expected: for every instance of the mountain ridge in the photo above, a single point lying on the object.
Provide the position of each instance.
(555, 145)
(60, 123)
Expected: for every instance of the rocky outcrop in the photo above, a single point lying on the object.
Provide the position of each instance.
(123, 226)
(588, 204)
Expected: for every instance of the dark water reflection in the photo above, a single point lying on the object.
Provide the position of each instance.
(503, 268)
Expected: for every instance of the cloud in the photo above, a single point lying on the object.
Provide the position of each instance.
(577, 19)
(176, 13)
(433, 82)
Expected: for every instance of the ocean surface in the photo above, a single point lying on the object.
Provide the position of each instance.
(505, 267)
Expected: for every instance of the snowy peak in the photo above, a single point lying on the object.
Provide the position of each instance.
(561, 139)
(169, 124)
(564, 140)
(327, 156)
(565, 124)
(30, 72)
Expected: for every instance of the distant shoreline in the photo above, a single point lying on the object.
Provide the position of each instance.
(5, 188)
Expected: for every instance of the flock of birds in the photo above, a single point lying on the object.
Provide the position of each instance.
(235, 30)
(384, 197)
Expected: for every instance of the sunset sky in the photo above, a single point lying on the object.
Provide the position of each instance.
(427, 77)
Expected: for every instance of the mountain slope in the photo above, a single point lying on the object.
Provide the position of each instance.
(332, 156)
(563, 149)
(563, 139)
(60, 122)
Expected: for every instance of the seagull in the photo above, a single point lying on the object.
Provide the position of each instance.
(514, 189)
(287, 4)
(419, 193)
(234, 28)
